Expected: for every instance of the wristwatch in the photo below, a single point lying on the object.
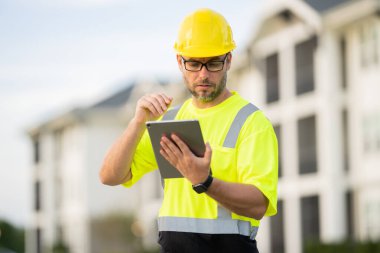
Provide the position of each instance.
(203, 187)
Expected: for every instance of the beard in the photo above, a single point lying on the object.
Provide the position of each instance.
(205, 96)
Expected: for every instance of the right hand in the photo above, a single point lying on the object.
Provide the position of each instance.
(151, 107)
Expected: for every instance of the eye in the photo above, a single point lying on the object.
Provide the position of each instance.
(193, 64)
(213, 64)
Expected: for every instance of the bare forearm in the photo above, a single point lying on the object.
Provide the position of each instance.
(116, 167)
(241, 199)
(117, 163)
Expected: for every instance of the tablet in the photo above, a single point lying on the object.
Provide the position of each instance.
(188, 130)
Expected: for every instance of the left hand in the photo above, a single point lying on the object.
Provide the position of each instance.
(195, 169)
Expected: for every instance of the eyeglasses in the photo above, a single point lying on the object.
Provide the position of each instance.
(211, 66)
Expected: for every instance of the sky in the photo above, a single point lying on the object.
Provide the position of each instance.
(61, 54)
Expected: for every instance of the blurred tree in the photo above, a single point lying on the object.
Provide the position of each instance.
(60, 247)
(11, 237)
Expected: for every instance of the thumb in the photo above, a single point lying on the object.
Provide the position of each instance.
(208, 152)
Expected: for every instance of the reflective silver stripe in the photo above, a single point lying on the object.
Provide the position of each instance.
(237, 124)
(170, 115)
(207, 226)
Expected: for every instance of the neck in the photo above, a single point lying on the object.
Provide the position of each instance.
(203, 105)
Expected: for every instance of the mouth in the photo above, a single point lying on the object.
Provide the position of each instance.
(204, 85)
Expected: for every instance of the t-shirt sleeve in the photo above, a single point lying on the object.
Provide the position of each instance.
(258, 163)
(143, 161)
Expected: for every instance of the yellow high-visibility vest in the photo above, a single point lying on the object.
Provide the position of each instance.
(244, 150)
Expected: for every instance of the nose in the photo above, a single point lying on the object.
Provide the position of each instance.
(203, 73)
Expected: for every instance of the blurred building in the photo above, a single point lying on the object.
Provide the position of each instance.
(313, 66)
(68, 196)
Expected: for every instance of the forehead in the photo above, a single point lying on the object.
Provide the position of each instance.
(204, 59)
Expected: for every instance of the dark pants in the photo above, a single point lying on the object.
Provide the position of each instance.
(181, 242)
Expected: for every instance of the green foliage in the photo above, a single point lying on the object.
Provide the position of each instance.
(60, 247)
(343, 247)
(150, 251)
(11, 237)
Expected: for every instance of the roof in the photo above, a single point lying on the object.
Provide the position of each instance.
(113, 102)
(102, 108)
(324, 5)
(118, 99)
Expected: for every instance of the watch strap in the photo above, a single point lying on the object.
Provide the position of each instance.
(203, 187)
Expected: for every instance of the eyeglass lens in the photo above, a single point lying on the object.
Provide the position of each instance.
(211, 66)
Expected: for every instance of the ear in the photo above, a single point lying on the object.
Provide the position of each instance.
(179, 62)
(228, 61)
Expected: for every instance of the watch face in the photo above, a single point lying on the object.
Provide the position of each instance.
(203, 187)
(200, 188)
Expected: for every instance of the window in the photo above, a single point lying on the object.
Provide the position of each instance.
(307, 145)
(343, 52)
(372, 219)
(367, 134)
(345, 140)
(38, 240)
(272, 78)
(371, 132)
(305, 66)
(277, 130)
(37, 196)
(277, 229)
(58, 145)
(350, 214)
(310, 219)
(369, 44)
(36, 149)
(377, 130)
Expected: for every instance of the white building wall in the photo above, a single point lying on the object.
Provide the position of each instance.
(101, 199)
(46, 216)
(327, 102)
(285, 112)
(151, 194)
(364, 106)
(330, 139)
(74, 182)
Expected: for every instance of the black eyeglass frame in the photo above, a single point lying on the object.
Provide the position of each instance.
(205, 64)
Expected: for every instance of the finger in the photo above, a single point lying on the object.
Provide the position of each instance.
(159, 102)
(165, 101)
(170, 146)
(168, 154)
(164, 154)
(174, 164)
(181, 144)
(147, 104)
(168, 99)
(162, 100)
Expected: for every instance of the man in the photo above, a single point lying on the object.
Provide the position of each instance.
(217, 206)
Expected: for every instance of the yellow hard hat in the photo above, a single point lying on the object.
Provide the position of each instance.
(204, 33)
